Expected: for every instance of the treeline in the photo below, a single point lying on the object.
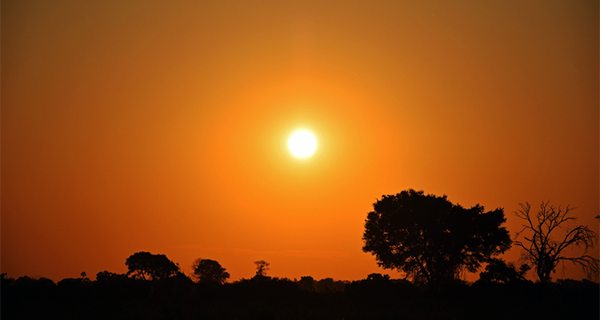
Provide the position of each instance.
(427, 237)
(119, 296)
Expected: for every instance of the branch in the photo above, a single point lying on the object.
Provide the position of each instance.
(546, 253)
(576, 236)
(520, 244)
(589, 264)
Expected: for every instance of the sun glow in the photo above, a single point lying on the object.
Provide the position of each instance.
(302, 144)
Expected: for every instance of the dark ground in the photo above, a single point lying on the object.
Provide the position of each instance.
(120, 297)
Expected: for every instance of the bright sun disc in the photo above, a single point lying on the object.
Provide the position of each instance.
(302, 144)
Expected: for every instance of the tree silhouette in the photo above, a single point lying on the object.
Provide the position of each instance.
(499, 271)
(105, 275)
(209, 271)
(540, 248)
(378, 277)
(5, 279)
(306, 283)
(430, 239)
(261, 268)
(144, 265)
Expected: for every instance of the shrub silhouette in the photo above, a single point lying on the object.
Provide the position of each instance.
(499, 271)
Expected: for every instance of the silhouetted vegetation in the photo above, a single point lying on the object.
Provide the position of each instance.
(499, 271)
(430, 239)
(144, 265)
(545, 248)
(261, 268)
(427, 237)
(376, 297)
(209, 271)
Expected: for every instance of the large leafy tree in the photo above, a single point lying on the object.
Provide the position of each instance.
(145, 265)
(209, 271)
(547, 238)
(430, 239)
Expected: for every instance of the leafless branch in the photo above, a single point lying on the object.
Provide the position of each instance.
(544, 252)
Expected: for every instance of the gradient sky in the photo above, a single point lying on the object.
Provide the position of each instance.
(161, 126)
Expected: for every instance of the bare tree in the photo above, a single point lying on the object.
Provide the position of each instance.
(543, 251)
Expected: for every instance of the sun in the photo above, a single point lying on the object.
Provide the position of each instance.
(302, 144)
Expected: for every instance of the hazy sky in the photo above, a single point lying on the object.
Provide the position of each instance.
(161, 126)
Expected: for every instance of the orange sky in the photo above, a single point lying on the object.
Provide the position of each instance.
(161, 126)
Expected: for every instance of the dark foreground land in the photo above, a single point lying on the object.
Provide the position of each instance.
(180, 298)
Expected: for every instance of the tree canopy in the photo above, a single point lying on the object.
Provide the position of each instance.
(146, 265)
(431, 239)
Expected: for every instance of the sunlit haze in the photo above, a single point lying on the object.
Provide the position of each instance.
(302, 144)
(164, 126)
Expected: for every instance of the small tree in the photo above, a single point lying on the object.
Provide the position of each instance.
(378, 277)
(261, 269)
(430, 239)
(543, 251)
(84, 278)
(209, 271)
(144, 265)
